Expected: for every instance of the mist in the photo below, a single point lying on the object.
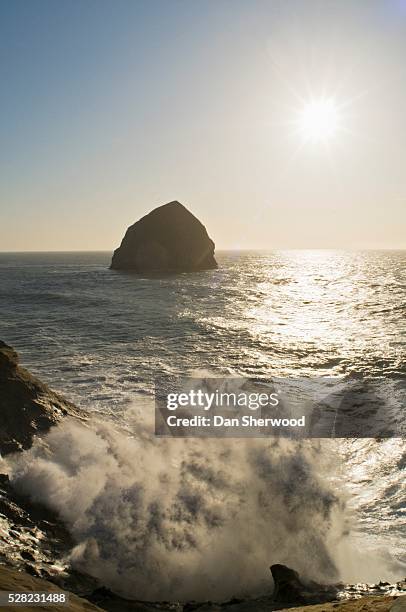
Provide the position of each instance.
(185, 519)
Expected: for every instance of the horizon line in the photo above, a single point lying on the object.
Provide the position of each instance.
(351, 249)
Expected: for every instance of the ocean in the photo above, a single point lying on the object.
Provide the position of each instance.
(333, 508)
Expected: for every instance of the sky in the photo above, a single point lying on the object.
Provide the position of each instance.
(110, 108)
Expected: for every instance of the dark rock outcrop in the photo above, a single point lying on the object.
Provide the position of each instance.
(27, 406)
(289, 588)
(168, 239)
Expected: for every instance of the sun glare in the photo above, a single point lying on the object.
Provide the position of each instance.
(319, 120)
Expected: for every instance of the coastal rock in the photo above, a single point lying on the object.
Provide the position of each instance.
(287, 584)
(34, 539)
(289, 588)
(27, 406)
(168, 239)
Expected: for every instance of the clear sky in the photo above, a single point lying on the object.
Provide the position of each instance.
(280, 124)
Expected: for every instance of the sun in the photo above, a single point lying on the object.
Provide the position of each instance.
(319, 120)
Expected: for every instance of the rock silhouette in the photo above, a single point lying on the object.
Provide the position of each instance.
(27, 405)
(289, 588)
(168, 239)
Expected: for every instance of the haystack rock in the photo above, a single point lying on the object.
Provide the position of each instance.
(168, 239)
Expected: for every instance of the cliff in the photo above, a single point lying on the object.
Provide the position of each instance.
(27, 406)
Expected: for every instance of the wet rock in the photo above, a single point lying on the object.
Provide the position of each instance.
(168, 239)
(27, 406)
(290, 588)
(34, 540)
(28, 556)
(287, 584)
(8, 357)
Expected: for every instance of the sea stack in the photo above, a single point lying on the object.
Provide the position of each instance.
(168, 239)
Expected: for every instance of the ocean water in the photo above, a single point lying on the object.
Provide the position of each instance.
(102, 337)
